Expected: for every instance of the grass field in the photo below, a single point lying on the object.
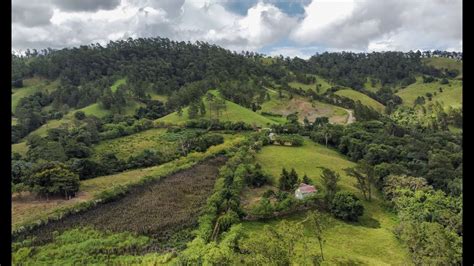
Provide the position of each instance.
(444, 63)
(364, 99)
(325, 85)
(451, 95)
(233, 112)
(29, 209)
(304, 107)
(367, 242)
(373, 88)
(117, 83)
(20, 148)
(31, 86)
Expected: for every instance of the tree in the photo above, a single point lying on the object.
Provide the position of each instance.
(365, 175)
(346, 206)
(193, 110)
(79, 115)
(288, 180)
(54, 178)
(306, 179)
(202, 108)
(329, 181)
(317, 222)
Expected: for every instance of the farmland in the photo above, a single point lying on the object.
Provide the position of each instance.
(27, 209)
(345, 242)
(158, 209)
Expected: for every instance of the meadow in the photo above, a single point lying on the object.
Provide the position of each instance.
(233, 112)
(370, 241)
(451, 95)
(30, 87)
(364, 99)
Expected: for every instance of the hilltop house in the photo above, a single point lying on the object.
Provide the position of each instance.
(304, 190)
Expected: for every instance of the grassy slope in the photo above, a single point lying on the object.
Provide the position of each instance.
(117, 83)
(30, 86)
(304, 108)
(451, 95)
(442, 63)
(233, 112)
(364, 99)
(325, 85)
(29, 210)
(370, 241)
(375, 88)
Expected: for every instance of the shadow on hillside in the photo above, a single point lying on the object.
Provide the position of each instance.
(369, 222)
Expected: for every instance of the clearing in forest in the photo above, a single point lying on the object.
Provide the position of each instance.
(304, 107)
(364, 99)
(346, 243)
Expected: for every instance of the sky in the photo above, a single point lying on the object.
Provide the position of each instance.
(272, 27)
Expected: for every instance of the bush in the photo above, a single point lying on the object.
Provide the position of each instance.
(79, 115)
(347, 206)
(53, 178)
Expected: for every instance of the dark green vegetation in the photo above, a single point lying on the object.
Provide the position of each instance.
(116, 139)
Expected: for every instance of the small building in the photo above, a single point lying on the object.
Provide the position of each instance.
(304, 190)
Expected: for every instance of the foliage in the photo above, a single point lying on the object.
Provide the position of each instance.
(53, 178)
(346, 206)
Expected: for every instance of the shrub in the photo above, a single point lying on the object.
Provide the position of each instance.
(347, 206)
(54, 178)
(79, 115)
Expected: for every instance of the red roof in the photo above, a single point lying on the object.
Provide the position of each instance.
(305, 188)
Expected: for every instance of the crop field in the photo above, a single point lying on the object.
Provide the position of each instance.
(159, 209)
(31, 86)
(346, 243)
(451, 95)
(233, 112)
(364, 99)
(27, 209)
(304, 107)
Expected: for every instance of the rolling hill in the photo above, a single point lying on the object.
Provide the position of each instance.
(364, 99)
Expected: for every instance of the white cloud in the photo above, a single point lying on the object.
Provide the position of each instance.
(356, 25)
(379, 25)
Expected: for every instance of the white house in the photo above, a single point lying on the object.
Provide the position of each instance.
(304, 190)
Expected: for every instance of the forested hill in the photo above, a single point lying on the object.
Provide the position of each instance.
(140, 70)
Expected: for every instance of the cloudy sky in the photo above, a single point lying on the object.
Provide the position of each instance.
(288, 27)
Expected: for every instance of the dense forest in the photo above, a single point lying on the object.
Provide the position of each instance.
(408, 152)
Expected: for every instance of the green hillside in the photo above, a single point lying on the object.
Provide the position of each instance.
(304, 107)
(364, 99)
(31, 86)
(444, 63)
(346, 243)
(233, 112)
(451, 95)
